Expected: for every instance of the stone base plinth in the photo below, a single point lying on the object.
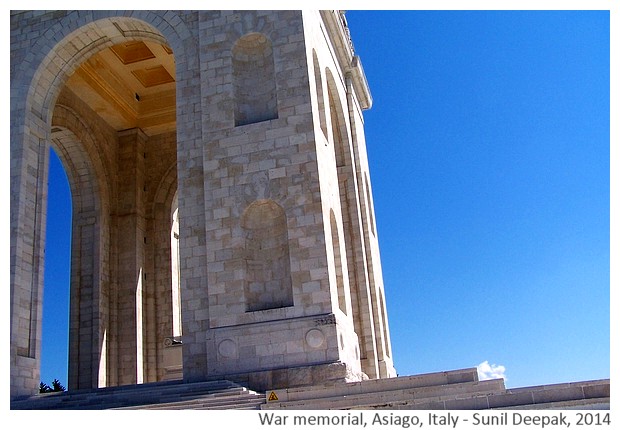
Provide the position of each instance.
(319, 374)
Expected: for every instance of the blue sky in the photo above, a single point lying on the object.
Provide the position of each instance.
(489, 149)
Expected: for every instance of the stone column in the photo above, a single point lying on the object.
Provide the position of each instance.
(29, 159)
(131, 238)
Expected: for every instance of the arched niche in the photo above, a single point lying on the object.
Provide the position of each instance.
(267, 283)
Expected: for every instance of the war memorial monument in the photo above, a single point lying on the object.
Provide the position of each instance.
(224, 247)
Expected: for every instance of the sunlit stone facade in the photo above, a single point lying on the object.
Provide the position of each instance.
(222, 209)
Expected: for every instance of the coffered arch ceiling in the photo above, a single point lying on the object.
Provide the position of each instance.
(130, 85)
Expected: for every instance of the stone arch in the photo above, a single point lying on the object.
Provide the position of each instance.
(73, 141)
(267, 283)
(254, 79)
(85, 156)
(71, 41)
(359, 233)
(345, 177)
(40, 76)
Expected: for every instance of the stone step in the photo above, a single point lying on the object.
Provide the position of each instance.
(247, 401)
(454, 390)
(370, 399)
(468, 396)
(577, 395)
(585, 392)
(377, 385)
(138, 395)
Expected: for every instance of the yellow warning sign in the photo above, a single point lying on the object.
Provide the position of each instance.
(272, 397)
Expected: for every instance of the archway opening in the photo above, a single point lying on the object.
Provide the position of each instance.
(57, 276)
(119, 106)
(75, 97)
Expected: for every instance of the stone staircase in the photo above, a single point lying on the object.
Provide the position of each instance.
(212, 395)
(452, 390)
